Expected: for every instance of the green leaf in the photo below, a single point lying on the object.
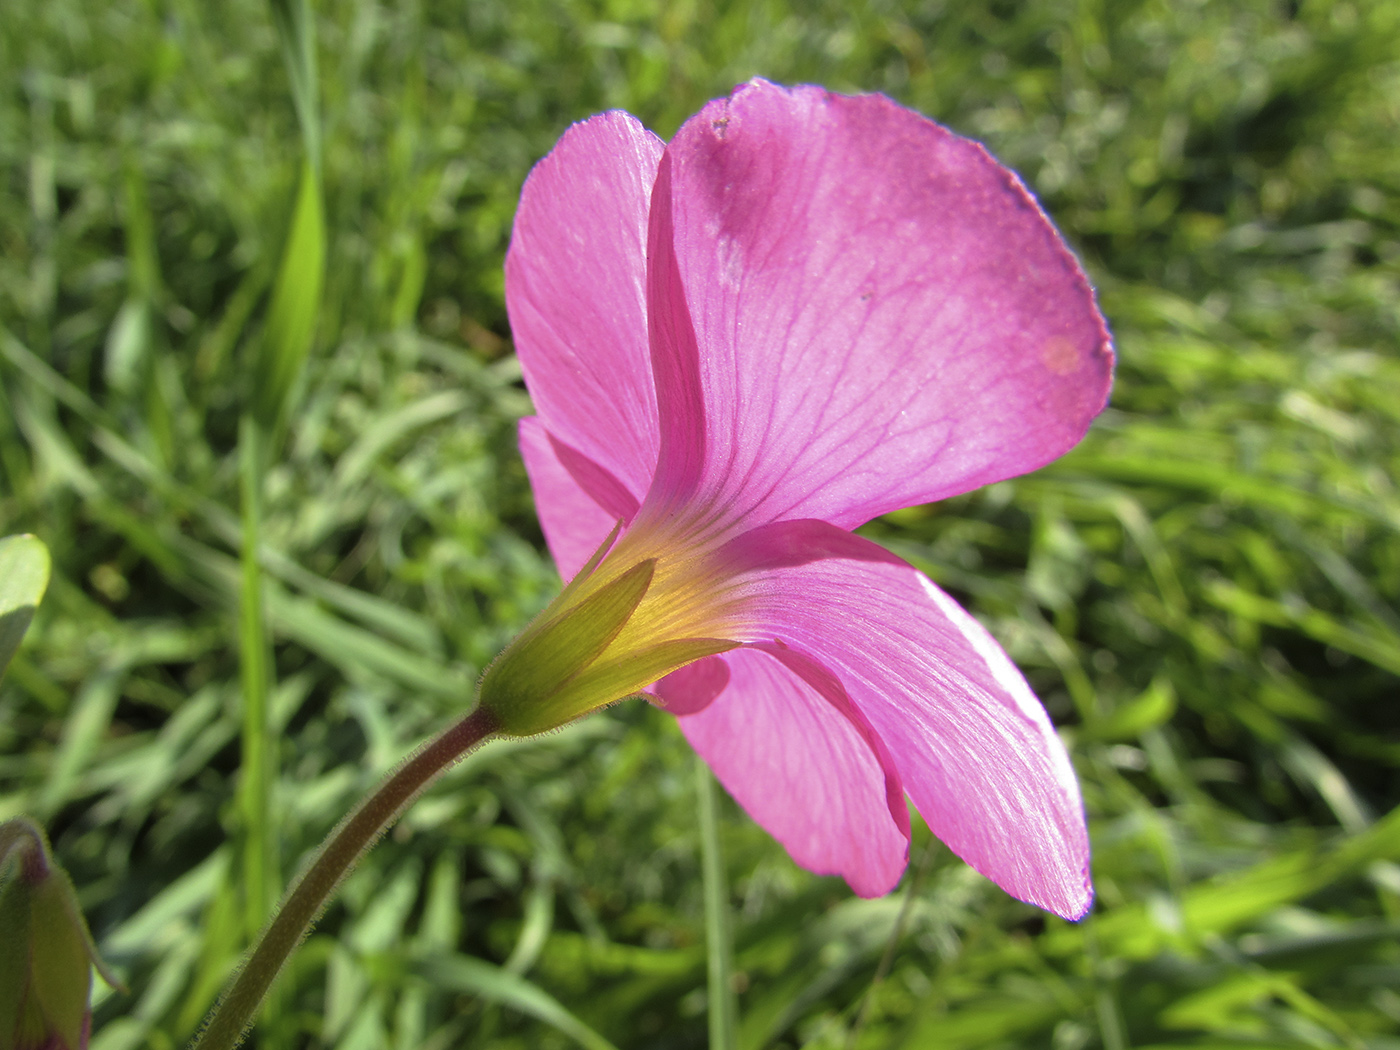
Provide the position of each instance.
(1220, 906)
(87, 722)
(359, 458)
(1375, 644)
(128, 342)
(1151, 708)
(24, 576)
(464, 974)
(993, 1021)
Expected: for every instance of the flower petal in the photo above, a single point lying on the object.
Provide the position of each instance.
(693, 688)
(864, 310)
(804, 771)
(576, 293)
(973, 746)
(577, 507)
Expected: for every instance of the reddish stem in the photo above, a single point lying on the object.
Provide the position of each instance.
(233, 1015)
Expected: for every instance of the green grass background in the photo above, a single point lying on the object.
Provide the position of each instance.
(1206, 594)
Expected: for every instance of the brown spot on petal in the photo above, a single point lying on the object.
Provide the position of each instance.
(1060, 355)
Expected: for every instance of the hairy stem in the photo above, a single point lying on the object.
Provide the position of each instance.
(235, 1011)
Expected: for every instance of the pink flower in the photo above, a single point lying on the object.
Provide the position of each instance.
(807, 310)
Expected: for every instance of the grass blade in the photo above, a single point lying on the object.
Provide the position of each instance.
(296, 302)
(256, 773)
(719, 937)
(462, 973)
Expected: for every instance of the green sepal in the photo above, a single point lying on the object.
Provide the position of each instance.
(627, 675)
(527, 687)
(60, 968)
(14, 933)
(46, 953)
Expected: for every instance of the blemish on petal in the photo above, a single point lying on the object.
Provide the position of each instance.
(731, 260)
(1060, 355)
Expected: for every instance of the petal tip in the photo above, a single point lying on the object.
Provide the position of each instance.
(1079, 904)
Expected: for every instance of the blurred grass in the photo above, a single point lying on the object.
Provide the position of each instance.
(1206, 593)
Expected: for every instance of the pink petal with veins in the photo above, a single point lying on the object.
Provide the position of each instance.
(973, 746)
(855, 310)
(574, 521)
(576, 292)
(801, 768)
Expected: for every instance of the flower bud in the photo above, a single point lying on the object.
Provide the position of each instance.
(46, 953)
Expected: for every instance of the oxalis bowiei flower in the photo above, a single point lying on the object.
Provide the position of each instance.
(806, 310)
